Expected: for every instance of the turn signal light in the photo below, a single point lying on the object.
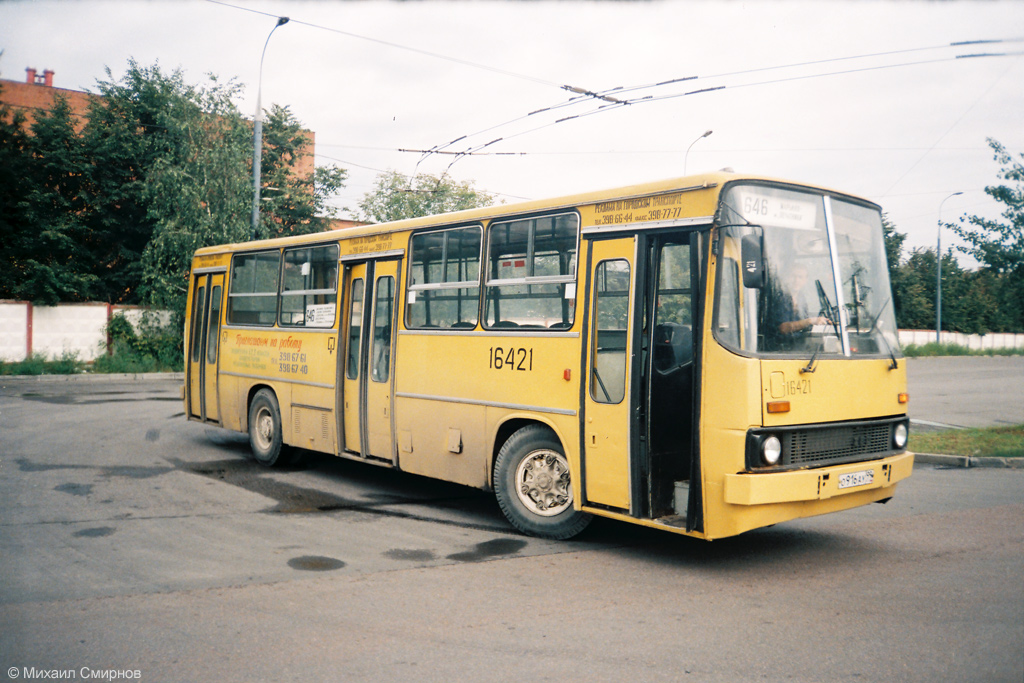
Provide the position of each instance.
(904, 397)
(778, 407)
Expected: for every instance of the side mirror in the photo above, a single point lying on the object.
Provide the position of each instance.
(752, 262)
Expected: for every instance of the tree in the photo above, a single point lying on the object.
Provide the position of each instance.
(999, 245)
(197, 193)
(292, 204)
(396, 197)
(41, 228)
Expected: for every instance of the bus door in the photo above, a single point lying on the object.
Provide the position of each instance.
(368, 330)
(668, 379)
(640, 394)
(207, 295)
(608, 418)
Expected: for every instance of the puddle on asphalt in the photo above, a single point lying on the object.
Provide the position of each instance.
(96, 532)
(410, 555)
(498, 547)
(315, 563)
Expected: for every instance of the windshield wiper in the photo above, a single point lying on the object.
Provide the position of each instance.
(874, 323)
(891, 354)
(827, 309)
(809, 368)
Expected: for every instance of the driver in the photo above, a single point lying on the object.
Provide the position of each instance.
(790, 312)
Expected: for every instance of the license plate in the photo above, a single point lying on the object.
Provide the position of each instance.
(852, 479)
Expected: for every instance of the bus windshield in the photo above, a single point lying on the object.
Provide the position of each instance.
(802, 274)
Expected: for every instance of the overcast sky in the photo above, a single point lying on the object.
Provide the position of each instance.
(870, 97)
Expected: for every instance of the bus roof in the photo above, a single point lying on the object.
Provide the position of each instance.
(705, 181)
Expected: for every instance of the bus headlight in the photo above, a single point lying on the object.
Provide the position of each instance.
(771, 450)
(899, 435)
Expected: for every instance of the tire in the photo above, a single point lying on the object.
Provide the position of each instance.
(531, 482)
(265, 429)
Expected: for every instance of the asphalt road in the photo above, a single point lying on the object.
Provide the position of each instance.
(970, 391)
(134, 541)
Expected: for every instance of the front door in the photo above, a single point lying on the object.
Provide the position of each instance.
(643, 329)
(368, 330)
(207, 295)
(607, 428)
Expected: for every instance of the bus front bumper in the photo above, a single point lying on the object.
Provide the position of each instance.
(756, 488)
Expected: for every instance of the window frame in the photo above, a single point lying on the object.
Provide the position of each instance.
(529, 280)
(233, 296)
(282, 293)
(443, 285)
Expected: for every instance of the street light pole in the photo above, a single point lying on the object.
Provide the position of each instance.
(257, 136)
(686, 157)
(938, 274)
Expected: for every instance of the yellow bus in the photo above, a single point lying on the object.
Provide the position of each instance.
(705, 355)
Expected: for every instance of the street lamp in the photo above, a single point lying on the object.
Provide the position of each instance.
(938, 274)
(257, 136)
(687, 155)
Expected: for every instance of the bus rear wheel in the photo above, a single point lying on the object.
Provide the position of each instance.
(265, 436)
(533, 485)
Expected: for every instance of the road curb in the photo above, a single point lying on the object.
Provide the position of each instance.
(966, 461)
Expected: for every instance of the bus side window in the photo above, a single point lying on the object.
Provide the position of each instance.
(382, 319)
(611, 323)
(309, 286)
(213, 336)
(727, 315)
(355, 328)
(531, 273)
(444, 279)
(198, 309)
(252, 297)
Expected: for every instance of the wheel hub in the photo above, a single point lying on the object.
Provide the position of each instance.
(543, 483)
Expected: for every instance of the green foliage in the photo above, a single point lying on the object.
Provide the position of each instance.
(114, 212)
(999, 245)
(151, 348)
(990, 299)
(932, 349)
(396, 197)
(37, 364)
(292, 204)
(994, 442)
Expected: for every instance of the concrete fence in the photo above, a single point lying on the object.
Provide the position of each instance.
(81, 329)
(978, 342)
(52, 331)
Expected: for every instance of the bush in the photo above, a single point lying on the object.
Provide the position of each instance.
(153, 348)
(37, 364)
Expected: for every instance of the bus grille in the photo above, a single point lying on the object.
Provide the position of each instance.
(832, 444)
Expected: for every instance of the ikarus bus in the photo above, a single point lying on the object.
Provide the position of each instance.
(705, 355)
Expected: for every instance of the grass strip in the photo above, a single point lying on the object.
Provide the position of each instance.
(992, 442)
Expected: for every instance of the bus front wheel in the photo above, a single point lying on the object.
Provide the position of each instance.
(533, 485)
(265, 429)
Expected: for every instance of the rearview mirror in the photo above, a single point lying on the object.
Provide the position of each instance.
(752, 262)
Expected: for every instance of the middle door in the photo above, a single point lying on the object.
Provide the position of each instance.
(369, 359)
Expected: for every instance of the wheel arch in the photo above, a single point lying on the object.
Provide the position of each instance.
(253, 390)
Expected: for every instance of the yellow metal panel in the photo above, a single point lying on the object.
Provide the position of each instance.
(815, 484)
(430, 454)
(606, 432)
(838, 389)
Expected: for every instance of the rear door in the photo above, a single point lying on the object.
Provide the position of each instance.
(204, 337)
